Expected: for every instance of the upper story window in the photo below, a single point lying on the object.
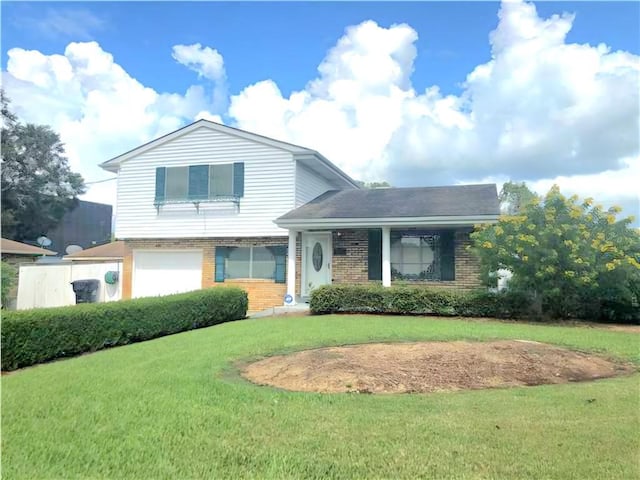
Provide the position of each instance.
(198, 183)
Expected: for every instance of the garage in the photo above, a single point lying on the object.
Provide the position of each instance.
(163, 273)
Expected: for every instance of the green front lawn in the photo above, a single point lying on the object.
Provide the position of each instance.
(175, 408)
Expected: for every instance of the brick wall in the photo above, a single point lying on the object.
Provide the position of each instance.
(349, 264)
(262, 293)
(350, 259)
(352, 266)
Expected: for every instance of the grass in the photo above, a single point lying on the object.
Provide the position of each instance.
(174, 408)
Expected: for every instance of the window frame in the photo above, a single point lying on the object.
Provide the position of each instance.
(435, 275)
(251, 265)
(166, 184)
(235, 181)
(210, 177)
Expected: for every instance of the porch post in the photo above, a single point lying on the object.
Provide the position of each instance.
(386, 256)
(291, 266)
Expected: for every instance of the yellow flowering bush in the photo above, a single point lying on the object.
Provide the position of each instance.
(575, 259)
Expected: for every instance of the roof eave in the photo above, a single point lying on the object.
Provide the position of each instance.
(329, 165)
(28, 254)
(439, 221)
(113, 164)
(85, 259)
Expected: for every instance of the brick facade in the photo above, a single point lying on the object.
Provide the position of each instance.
(262, 293)
(349, 264)
(350, 257)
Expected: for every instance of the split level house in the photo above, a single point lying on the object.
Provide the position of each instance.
(211, 205)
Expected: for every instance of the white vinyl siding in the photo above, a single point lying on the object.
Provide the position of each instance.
(269, 191)
(309, 185)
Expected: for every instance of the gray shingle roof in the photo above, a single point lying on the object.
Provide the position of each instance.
(447, 201)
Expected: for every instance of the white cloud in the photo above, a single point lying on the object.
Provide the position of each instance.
(204, 115)
(611, 187)
(540, 110)
(98, 109)
(207, 63)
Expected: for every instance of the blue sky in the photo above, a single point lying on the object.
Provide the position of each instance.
(523, 91)
(285, 41)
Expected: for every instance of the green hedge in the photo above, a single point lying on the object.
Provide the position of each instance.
(35, 336)
(416, 301)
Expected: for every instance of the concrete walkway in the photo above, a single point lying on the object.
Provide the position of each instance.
(297, 309)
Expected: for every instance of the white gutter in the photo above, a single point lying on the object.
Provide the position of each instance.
(386, 222)
(93, 259)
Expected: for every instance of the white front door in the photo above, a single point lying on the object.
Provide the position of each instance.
(316, 261)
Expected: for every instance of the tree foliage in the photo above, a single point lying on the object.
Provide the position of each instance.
(373, 185)
(574, 259)
(9, 275)
(515, 196)
(38, 187)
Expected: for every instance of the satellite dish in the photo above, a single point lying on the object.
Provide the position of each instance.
(71, 249)
(43, 241)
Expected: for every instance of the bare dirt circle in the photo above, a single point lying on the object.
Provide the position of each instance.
(430, 367)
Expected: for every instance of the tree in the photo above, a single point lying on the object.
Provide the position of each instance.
(38, 187)
(515, 196)
(574, 259)
(8, 279)
(372, 185)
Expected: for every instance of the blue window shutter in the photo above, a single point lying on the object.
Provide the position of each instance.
(161, 174)
(447, 255)
(375, 255)
(198, 182)
(280, 254)
(238, 179)
(221, 255)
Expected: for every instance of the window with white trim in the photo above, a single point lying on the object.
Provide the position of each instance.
(250, 262)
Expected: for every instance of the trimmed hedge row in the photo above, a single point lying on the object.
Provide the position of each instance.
(35, 336)
(416, 301)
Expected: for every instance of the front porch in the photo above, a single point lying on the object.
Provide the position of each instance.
(390, 235)
(435, 257)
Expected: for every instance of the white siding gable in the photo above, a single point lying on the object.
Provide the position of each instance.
(309, 184)
(269, 189)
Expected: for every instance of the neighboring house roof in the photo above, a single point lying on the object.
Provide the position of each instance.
(18, 248)
(447, 205)
(113, 164)
(109, 251)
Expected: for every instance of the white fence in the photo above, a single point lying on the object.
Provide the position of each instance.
(45, 285)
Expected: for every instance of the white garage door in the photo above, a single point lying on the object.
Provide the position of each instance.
(164, 273)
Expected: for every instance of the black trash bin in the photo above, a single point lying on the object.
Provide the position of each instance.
(86, 290)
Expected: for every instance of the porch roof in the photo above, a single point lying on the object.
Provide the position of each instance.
(421, 206)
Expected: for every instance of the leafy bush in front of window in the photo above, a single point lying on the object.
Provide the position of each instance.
(416, 301)
(35, 336)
